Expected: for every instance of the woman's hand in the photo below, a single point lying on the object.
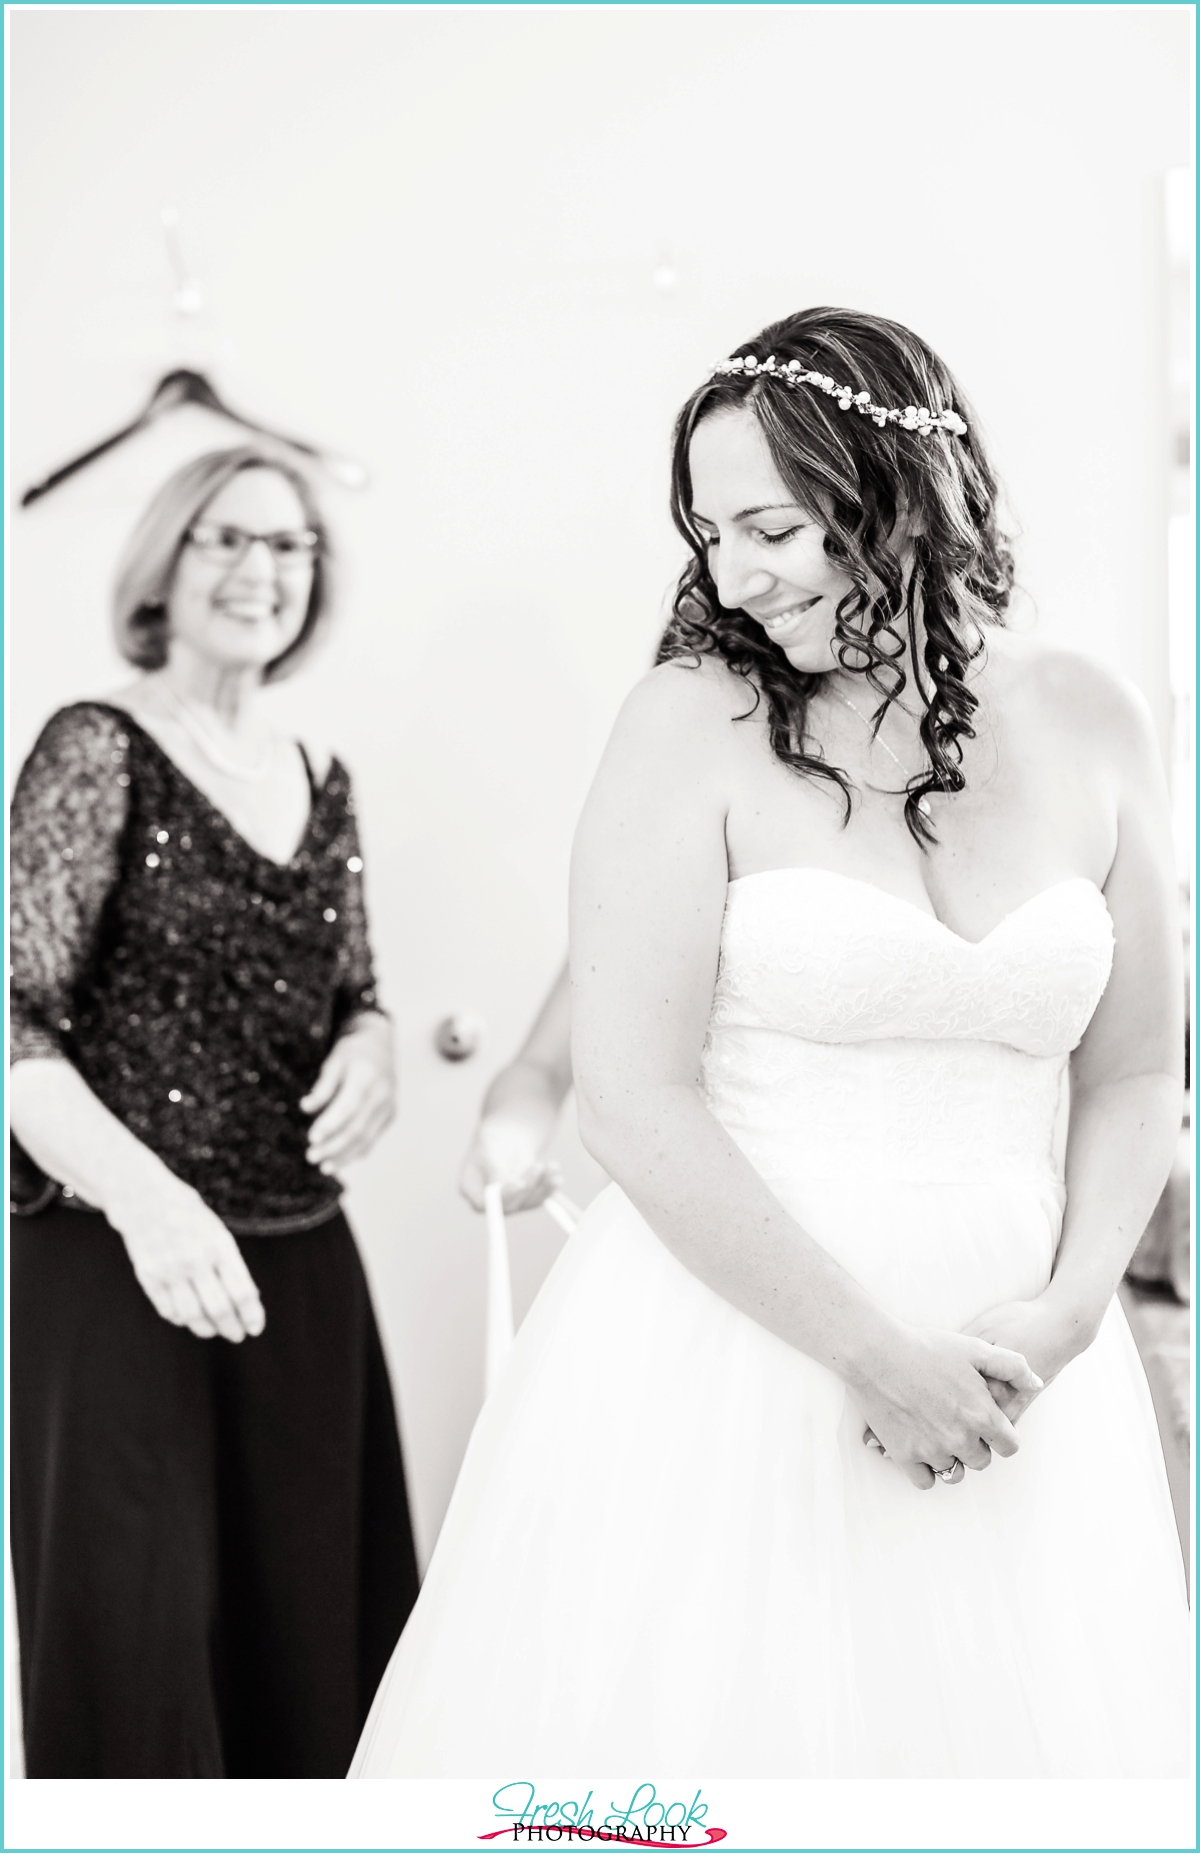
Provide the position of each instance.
(507, 1150)
(354, 1097)
(187, 1263)
(1035, 1329)
(520, 1112)
(928, 1402)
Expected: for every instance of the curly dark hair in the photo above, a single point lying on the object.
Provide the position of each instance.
(858, 479)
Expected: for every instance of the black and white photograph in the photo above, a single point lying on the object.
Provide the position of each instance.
(600, 712)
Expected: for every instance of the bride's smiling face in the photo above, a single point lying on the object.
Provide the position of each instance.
(766, 552)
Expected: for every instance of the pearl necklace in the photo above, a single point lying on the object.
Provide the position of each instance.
(198, 732)
(922, 803)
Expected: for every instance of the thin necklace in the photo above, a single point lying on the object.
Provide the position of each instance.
(195, 728)
(922, 803)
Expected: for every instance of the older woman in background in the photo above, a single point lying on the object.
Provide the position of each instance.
(210, 1532)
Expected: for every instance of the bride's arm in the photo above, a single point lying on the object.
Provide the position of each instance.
(1127, 1073)
(648, 884)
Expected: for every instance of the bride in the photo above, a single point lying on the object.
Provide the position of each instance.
(862, 879)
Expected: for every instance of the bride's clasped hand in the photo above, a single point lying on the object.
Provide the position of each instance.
(929, 1401)
(1043, 1335)
(1009, 1340)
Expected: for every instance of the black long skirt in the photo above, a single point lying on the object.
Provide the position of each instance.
(211, 1542)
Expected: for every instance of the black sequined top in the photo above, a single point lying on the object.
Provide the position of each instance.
(196, 985)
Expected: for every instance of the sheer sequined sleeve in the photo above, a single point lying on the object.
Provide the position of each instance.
(68, 813)
(356, 988)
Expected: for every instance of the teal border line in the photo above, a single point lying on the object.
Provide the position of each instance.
(593, 6)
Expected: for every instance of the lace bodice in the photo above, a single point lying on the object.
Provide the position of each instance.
(851, 1030)
(195, 984)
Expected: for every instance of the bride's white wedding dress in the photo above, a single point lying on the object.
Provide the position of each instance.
(669, 1550)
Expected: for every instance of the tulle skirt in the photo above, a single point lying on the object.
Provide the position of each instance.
(669, 1549)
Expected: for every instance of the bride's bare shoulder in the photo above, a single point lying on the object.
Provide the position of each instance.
(691, 699)
(1052, 686)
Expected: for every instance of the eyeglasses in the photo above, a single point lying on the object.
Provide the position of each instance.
(291, 548)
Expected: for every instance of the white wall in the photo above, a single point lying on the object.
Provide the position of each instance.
(428, 238)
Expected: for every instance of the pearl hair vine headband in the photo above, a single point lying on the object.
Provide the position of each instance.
(916, 418)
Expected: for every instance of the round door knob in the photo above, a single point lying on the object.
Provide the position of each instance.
(457, 1037)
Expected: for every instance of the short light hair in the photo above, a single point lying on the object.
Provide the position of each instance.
(147, 565)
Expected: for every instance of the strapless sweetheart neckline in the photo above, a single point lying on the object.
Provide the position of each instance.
(856, 881)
